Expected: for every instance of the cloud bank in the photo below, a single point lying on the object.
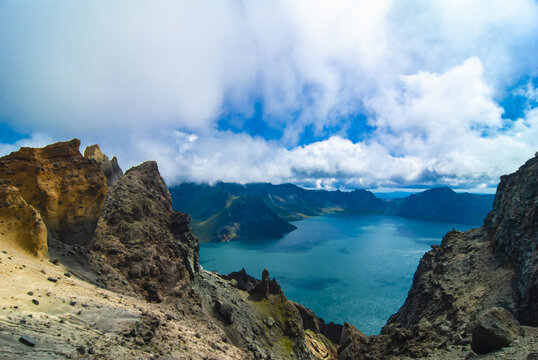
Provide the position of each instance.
(360, 94)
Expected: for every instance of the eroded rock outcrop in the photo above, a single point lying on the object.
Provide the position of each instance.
(67, 189)
(331, 330)
(256, 316)
(21, 226)
(140, 240)
(110, 168)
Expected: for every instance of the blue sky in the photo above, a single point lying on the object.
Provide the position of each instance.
(341, 94)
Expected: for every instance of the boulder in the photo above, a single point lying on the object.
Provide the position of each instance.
(27, 340)
(495, 329)
(225, 310)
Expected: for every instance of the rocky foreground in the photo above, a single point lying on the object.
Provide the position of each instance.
(94, 263)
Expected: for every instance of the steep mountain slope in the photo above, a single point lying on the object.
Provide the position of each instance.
(140, 238)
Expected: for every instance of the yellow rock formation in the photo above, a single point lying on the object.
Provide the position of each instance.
(94, 152)
(67, 189)
(21, 226)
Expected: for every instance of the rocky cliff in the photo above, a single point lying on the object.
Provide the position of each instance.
(67, 189)
(462, 280)
(512, 230)
(139, 239)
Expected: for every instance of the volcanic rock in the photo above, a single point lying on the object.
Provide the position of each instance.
(512, 229)
(262, 321)
(350, 344)
(111, 169)
(139, 237)
(225, 310)
(495, 329)
(27, 340)
(242, 280)
(331, 330)
(267, 287)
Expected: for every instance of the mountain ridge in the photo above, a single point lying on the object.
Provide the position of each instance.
(290, 203)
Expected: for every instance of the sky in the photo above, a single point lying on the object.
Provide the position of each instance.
(384, 95)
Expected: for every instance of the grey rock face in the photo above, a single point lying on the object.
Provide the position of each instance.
(512, 227)
(495, 329)
(110, 168)
(141, 238)
(350, 344)
(262, 321)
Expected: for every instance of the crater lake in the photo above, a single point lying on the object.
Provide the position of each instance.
(344, 267)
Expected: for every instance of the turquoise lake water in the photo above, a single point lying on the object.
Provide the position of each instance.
(344, 267)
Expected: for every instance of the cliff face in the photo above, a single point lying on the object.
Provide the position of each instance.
(67, 189)
(140, 240)
(21, 226)
(512, 229)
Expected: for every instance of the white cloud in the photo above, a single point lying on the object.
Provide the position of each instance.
(136, 76)
(452, 120)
